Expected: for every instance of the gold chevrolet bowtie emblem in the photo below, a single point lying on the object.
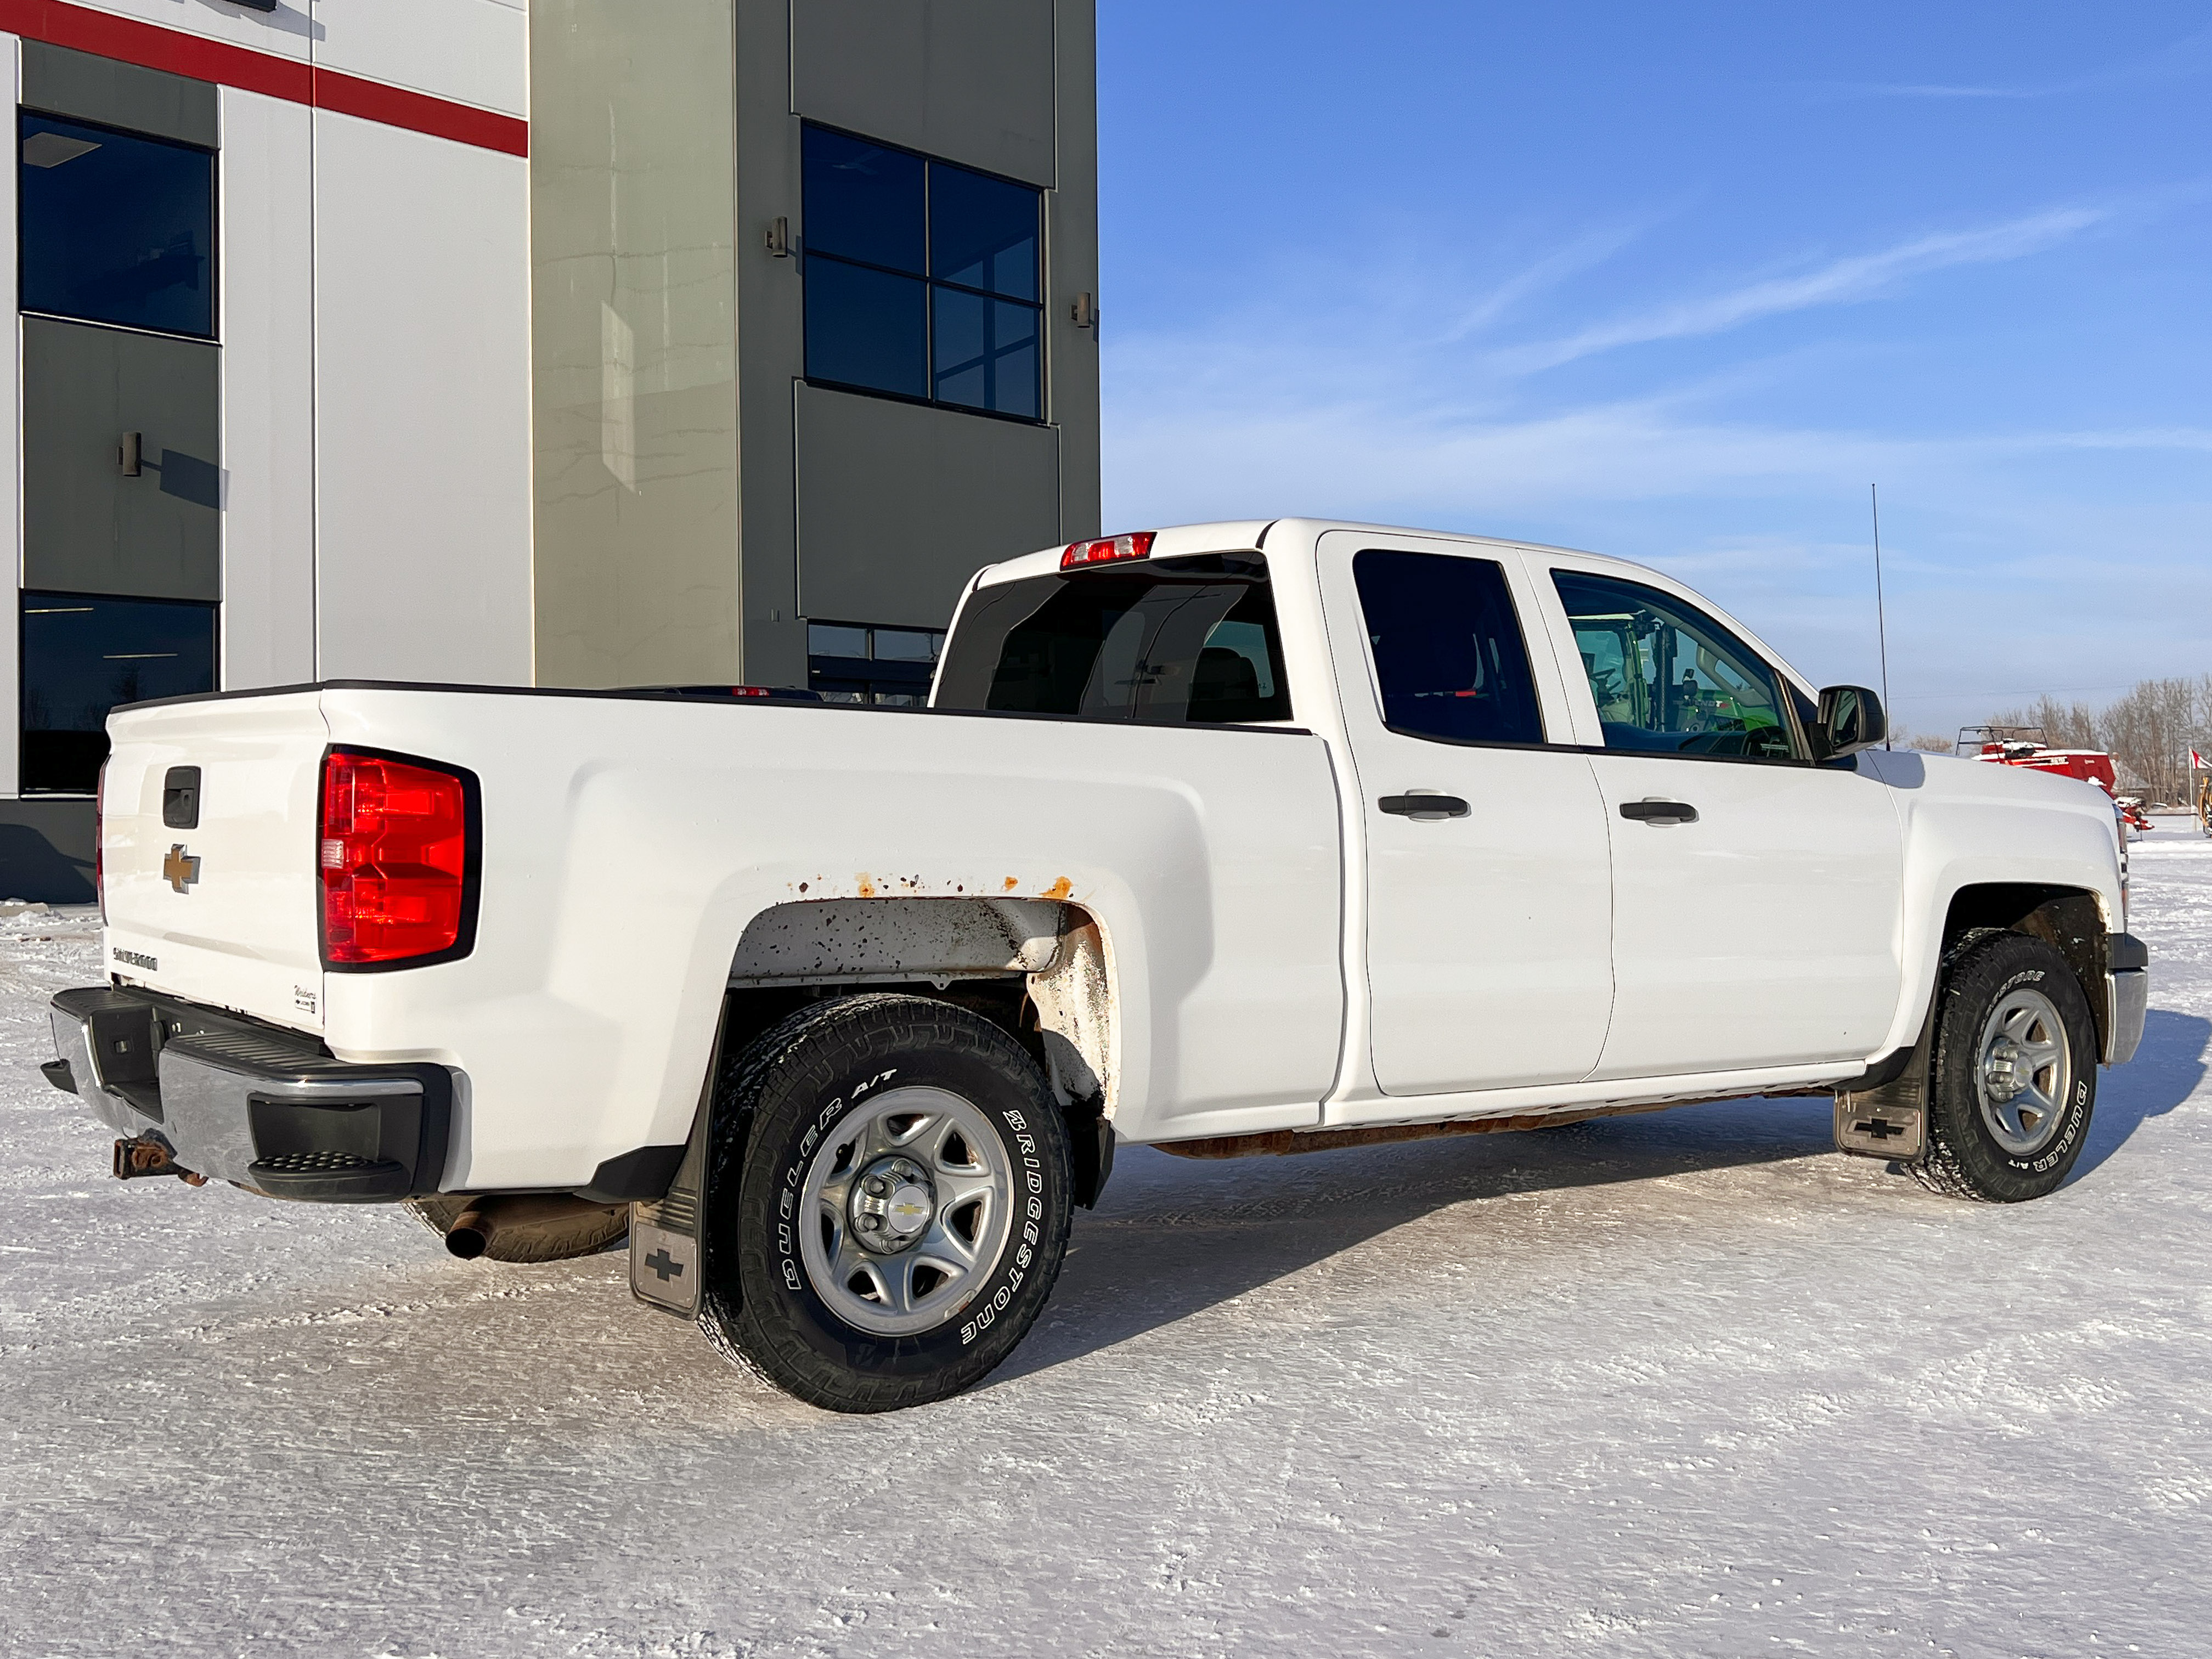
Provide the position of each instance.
(180, 868)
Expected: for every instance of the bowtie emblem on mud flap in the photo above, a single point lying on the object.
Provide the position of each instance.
(180, 869)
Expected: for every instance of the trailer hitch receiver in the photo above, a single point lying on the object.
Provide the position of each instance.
(149, 1155)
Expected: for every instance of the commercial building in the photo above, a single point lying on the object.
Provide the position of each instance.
(591, 343)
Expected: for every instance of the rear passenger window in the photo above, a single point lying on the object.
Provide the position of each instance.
(1448, 653)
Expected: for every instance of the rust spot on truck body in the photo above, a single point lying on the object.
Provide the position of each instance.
(865, 885)
(1060, 889)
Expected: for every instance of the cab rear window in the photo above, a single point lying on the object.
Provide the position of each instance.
(1170, 642)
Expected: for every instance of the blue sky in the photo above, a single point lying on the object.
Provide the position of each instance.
(1677, 283)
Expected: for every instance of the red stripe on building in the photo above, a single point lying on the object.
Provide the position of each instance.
(106, 35)
(396, 106)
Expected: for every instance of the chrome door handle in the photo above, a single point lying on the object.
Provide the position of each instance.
(1424, 806)
(1654, 811)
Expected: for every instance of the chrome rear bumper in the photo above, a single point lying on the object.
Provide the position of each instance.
(269, 1110)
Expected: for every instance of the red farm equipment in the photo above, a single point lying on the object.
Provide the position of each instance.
(2023, 745)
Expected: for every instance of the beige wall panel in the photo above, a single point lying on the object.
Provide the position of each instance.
(632, 177)
(968, 79)
(899, 504)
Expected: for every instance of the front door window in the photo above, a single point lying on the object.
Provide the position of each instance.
(1668, 679)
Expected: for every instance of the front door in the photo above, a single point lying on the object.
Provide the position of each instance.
(1756, 895)
(1488, 914)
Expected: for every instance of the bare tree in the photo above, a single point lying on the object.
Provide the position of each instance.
(2063, 724)
(2149, 732)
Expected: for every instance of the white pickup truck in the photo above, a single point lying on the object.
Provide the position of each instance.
(1236, 838)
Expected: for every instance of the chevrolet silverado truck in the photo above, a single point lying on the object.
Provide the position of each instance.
(1234, 839)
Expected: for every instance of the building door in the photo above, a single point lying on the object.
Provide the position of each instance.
(1755, 895)
(1488, 928)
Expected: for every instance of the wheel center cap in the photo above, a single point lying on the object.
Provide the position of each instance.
(893, 1204)
(2001, 1070)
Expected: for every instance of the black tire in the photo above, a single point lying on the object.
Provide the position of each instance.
(559, 1239)
(841, 1067)
(1967, 1157)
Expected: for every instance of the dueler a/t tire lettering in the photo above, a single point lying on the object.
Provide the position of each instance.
(1966, 1159)
(781, 1106)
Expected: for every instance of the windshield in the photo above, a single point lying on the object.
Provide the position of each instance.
(1182, 641)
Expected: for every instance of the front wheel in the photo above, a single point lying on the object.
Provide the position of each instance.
(888, 1202)
(2015, 1078)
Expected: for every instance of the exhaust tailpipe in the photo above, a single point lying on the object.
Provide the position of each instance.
(477, 1228)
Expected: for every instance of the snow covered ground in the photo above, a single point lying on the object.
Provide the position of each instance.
(1684, 1384)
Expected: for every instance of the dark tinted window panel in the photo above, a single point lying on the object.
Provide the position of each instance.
(986, 353)
(864, 202)
(982, 233)
(1144, 646)
(1448, 647)
(115, 228)
(83, 655)
(866, 328)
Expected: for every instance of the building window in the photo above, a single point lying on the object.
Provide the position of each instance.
(921, 278)
(116, 227)
(84, 654)
(856, 662)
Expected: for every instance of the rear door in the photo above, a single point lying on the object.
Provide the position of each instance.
(215, 897)
(1755, 895)
(1488, 934)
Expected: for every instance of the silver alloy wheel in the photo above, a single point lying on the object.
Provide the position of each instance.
(905, 1211)
(2024, 1072)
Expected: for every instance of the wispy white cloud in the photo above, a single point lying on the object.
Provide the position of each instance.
(1879, 90)
(1840, 282)
(2178, 61)
(1590, 249)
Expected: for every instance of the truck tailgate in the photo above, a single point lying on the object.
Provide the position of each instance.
(221, 906)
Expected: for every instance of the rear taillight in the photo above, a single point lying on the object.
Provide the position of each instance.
(1107, 550)
(398, 857)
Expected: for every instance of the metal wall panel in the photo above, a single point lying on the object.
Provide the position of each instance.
(477, 51)
(971, 81)
(266, 200)
(64, 82)
(899, 504)
(47, 850)
(423, 415)
(87, 527)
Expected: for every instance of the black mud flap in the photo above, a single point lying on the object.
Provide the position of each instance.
(665, 1251)
(1884, 1113)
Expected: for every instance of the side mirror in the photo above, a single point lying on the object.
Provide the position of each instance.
(1850, 718)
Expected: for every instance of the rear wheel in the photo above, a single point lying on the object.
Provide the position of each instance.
(888, 1203)
(2015, 1076)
